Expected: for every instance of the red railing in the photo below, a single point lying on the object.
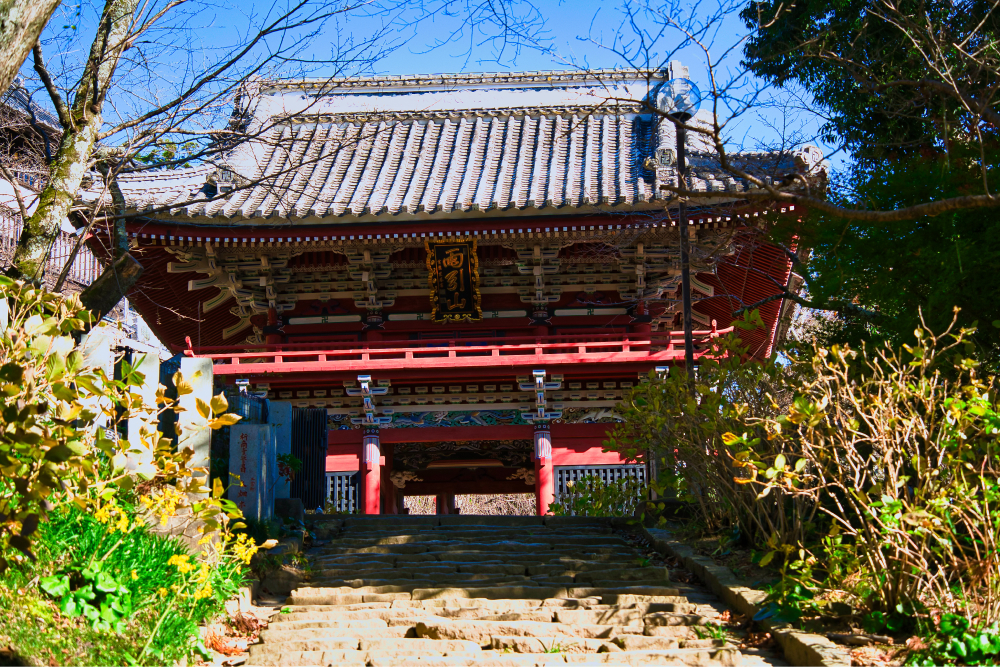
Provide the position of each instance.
(453, 353)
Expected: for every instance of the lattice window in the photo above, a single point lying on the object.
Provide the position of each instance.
(607, 475)
(342, 491)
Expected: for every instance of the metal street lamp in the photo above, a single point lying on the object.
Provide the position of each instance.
(679, 99)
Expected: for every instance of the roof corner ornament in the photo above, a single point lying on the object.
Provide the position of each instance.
(809, 161)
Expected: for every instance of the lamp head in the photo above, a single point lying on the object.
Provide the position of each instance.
(678, 98)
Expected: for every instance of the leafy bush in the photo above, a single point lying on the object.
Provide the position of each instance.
(680, 427)
(897, 452)
(94, 571)
(869, 479)
(590, 496)
(53, 448)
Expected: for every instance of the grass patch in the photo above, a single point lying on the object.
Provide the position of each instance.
(167, 602)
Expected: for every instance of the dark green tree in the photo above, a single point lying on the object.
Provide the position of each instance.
(909, 90)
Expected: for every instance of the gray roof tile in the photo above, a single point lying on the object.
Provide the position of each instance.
(460, 144)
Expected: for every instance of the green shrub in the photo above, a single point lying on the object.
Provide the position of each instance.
(897, 451)
(589, 496)
(678, 427)
(53, 448)
(869, 479)
(93, 573)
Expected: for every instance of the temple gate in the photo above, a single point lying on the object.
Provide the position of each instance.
(458, 276)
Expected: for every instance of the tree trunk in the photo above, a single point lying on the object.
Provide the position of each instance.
(101, 297)
(82, 123)
(21, 22)
(55, 201)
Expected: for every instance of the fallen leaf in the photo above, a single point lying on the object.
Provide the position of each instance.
(869, 655)
(757, 640)
(223, 645)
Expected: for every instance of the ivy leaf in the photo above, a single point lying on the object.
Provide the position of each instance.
(56, 585)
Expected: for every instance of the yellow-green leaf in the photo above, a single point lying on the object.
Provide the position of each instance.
(219, 404)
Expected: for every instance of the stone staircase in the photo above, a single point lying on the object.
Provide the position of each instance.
(489, 591)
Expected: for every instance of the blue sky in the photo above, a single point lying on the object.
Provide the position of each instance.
(573, 33)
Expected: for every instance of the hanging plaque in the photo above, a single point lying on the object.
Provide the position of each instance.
(454, 281)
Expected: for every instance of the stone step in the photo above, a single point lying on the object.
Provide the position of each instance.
(364, 619)
(558, 566)
(489, 592)
(495, 592)
(409, 583)
(328, 658)
(553, 644)
(276, 635)
(539, 615)
(335, 599)
(402, 607)
(415, 646)
(625, 574)
(428, 567)
(481, 631)
(667, 658)
(410, 619)
(673, 658)
(619, 589)
(598, 616)
(445, 540)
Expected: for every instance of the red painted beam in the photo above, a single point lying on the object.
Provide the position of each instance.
(465, 488)
(562, 431)
(584, 454)
(343, 458)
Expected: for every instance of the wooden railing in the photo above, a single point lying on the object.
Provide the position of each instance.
(458, 353)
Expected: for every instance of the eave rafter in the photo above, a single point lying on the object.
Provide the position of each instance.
(259, 277)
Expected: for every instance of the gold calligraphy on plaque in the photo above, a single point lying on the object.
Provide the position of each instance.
(453, 270)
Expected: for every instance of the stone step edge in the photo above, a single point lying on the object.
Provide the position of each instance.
(800, 648)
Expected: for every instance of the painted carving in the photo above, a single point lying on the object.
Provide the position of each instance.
(589, 416)
(443, 418)
(416, 455)
(524, 473)
(401, 477)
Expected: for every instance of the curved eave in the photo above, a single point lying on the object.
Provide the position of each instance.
(420, 216)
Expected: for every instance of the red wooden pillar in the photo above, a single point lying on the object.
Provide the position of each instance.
(388, 488)
(544, 474)
(371, 474)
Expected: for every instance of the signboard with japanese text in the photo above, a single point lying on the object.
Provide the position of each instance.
(251, 467)
(454, 281)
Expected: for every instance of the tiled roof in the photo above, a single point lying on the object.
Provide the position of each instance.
(443, 146)
(18, 98)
